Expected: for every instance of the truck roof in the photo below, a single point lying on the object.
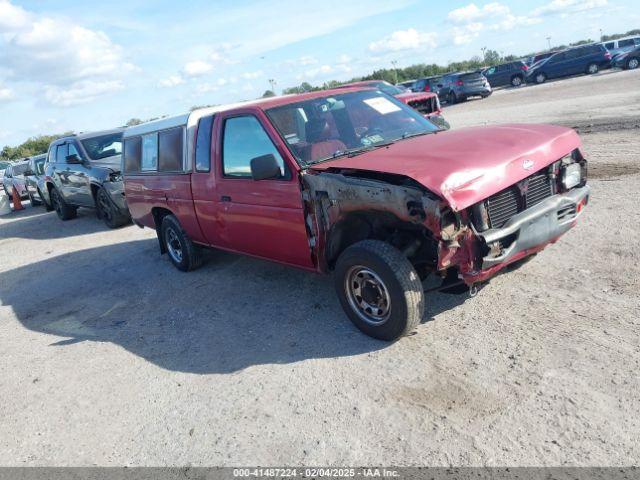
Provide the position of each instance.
(190, 119)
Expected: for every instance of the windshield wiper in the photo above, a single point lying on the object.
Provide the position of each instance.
(352, 152)
(411, 135)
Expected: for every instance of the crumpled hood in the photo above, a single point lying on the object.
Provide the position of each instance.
(468, 165)
(114, 163)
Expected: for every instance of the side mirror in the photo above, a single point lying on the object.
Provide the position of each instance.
(265, 167)
(73, 159)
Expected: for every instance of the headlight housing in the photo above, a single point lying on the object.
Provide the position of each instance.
(571, 175)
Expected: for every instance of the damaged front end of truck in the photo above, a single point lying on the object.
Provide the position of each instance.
(466, 246)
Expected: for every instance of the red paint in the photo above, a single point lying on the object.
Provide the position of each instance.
(468, 165)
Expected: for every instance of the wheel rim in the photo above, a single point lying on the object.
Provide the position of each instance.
(516, 81)
(368, 295)
(173, 245)
(105, 207)
(633, 63)
(593, 68)
(540, 78)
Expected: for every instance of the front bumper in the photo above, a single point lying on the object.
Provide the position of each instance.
(534, 228)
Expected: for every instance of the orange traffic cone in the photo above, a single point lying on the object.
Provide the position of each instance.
(17, 204)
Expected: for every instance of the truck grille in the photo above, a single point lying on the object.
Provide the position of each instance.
(426, 106)
(517, 198)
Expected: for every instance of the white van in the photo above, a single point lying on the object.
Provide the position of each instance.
(622, 45)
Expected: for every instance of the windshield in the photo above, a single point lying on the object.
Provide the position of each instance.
(103, 146)
(324, 128)
(19, 169)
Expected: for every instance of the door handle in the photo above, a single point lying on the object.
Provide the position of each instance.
(225, 198)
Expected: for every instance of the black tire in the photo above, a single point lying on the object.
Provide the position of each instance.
(395, 288)
(35, 202)
(7, 193)
(108, 211)
(175, 239)
(540, 78)
(517, 81)
(633, 63)
(62, 208)
(592, 69)
(451, 98)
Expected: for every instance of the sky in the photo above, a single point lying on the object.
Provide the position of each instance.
(83, 66)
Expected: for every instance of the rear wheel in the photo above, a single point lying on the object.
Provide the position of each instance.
(46, 204)
(108, 211)
(633, 63)
(64, 210)
(451, 98)
(592, 68)
(33, 200)
(516, 81)
(540, 78)
(184, 255)
(379, 289)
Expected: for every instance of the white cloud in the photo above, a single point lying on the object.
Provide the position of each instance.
(6, 94)
(404, 40)
(58, 54)
(80, 92)
(172, 81)
(344, 58)
(472, 13)
(563, 7)
(197, 68)
(252, 75)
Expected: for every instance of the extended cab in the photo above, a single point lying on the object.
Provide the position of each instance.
(84, 171)
(355, 183)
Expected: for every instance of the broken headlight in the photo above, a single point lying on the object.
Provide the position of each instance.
(571, 175)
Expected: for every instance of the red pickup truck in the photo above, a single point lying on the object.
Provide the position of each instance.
(355, 183)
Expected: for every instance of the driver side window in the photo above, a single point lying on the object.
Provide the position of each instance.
(73, 150)
(61, 153)
(244, 139)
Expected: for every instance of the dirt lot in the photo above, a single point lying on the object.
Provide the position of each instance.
(110, 356)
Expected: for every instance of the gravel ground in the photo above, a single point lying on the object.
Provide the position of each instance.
(110, 356)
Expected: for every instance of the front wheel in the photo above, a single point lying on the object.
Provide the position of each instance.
(633, 63)
(379, 289)
(108, 211)
(540, 78)
(592, 68)
(64, 210)
(184, 255)
(516, 81)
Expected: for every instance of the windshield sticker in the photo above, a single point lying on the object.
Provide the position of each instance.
(371, 139)
(382, 105)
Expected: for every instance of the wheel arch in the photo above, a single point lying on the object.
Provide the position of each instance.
(158, 214)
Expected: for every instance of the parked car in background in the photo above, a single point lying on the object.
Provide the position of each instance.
(622, 45)
(355, 183)
(3, 166)
(408, 84)
(428, 104)
(587, 59)
(427, 84)
(540, 56)
(629, 60)
(14, 177)
(458, 87)
(512, 73)
(35, 183)
(84, 171)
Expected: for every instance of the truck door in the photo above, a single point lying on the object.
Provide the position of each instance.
(263, 218)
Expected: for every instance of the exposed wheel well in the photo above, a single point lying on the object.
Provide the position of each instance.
(412, 239)
(158, 215)
(94, 191)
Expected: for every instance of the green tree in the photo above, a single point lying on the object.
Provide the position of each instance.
(268, 93)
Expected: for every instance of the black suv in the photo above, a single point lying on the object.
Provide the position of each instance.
(512, 73)
(84, 171)
(587, 59)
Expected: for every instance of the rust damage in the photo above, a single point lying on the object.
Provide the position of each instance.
(346, 206)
